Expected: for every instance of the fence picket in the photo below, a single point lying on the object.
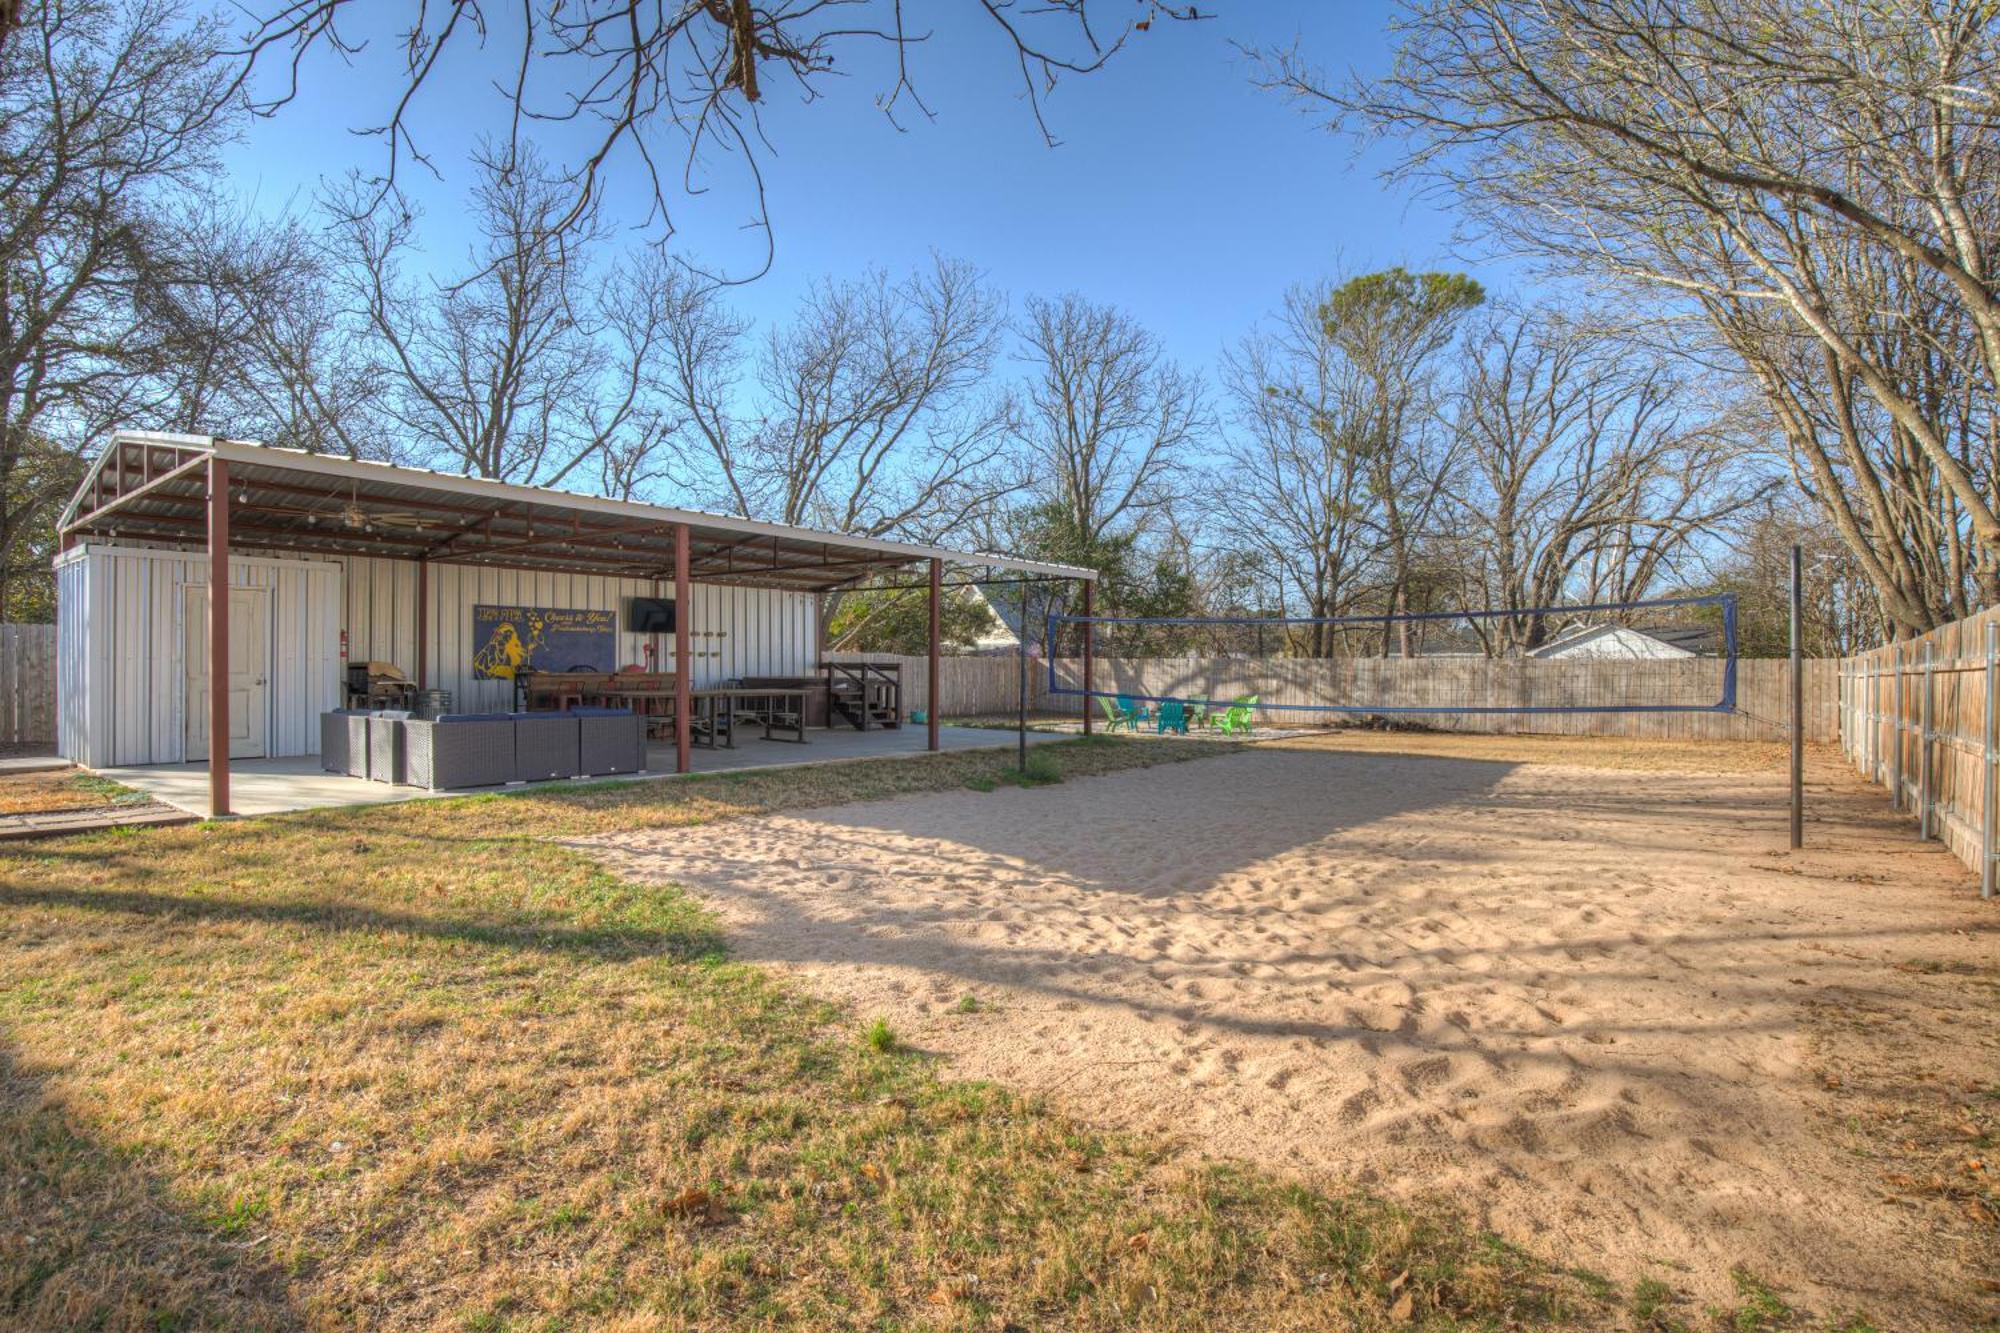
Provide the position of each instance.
(27, 684)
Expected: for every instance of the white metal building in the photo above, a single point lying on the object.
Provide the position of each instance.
(331, 561)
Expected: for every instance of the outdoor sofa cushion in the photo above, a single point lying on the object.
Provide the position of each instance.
(343, 741)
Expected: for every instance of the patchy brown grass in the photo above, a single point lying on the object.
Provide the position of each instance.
(41, 793)
(419, 1065)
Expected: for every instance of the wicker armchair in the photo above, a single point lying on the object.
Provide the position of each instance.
(343, 742)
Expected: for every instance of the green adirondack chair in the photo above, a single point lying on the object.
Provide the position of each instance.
(1235, 720)
(1113, 719)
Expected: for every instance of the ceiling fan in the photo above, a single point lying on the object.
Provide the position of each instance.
(358, 519)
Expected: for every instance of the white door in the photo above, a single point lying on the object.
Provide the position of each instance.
(249, 670)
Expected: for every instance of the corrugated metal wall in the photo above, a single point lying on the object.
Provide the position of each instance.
(736, 631)
(121, 638)
(122, 645)
(72, 655)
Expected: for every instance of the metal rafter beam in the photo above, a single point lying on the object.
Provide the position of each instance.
(182, 471)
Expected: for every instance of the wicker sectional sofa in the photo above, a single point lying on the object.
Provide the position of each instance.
(481, 749)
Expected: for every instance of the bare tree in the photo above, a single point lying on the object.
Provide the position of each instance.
(1300, 495)
(1107, 416)
(625, 79)
(107, 113)
(1874, 482)
(532, 368)
(1734, 151)
(876, 413)
(881, 419)
(248, 336)
(1587, 471)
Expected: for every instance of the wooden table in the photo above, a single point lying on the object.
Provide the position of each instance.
(649, 701)
(712, 719)
(776, 719)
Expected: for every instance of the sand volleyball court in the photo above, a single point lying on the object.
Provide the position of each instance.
(1576, 988)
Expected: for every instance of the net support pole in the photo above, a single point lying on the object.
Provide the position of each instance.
(218, 638)
(1021, 688)
(1089, 609)
(935, 690)
(1799, 713)
(683, 657)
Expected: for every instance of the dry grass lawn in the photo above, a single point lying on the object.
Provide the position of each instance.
(41, 793)
(420, 1066)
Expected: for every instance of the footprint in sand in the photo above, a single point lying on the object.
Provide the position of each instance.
(1355, 1108)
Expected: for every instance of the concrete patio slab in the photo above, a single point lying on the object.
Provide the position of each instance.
(278, 786)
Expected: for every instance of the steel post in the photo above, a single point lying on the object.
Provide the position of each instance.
(218, 637)
(1798, 714)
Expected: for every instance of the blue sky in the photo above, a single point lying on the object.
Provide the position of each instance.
(1179, 191)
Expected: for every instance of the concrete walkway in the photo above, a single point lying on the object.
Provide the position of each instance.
(56, 823)
(277, 786)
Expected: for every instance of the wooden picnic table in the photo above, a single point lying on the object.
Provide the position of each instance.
(765, 704)
(781, 708)
(655, 703)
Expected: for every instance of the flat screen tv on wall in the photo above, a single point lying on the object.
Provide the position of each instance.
(649, 615)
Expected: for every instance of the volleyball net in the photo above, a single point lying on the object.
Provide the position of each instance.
(1667, 655)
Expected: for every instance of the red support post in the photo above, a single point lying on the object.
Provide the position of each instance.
(218, 638)
(423, 625)
(683, 679)
(935, 688)
(1089, 601)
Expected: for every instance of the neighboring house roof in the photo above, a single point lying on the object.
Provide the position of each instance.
(1005, 632)
(1627, 641)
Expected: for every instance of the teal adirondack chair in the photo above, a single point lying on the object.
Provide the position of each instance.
(1173, 717)
(1134, 711)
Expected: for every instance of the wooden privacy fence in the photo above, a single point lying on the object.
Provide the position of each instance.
(1922, 718)
(987, 686)
(1289, 690)
(27, 684)
(972, 686)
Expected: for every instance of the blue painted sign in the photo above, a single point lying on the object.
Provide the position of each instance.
(547, 638)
